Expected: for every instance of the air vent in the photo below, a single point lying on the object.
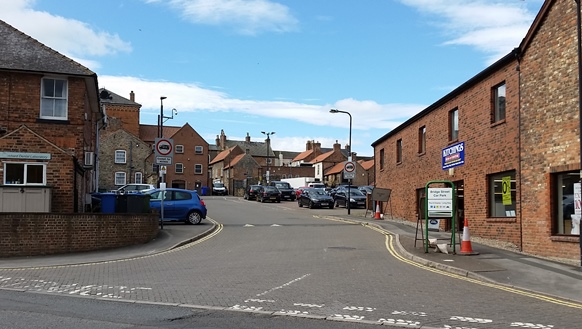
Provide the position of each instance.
(89, 159)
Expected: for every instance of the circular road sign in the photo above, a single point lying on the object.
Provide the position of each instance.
(164, 147)
(349, 166)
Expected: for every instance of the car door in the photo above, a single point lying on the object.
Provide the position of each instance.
(340, 197)
(181, 204)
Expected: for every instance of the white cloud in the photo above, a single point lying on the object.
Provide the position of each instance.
(494, 27)
(193, 98)
(70, 37)
(248, 17)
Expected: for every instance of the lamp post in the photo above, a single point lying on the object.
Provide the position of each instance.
(348, 201)
(161, 117)
(268, 144)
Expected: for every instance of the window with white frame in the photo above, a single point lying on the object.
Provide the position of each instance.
(179, 148)
(53, 100)
(25, 173)
(138, 177)
(502, 197)
(198, 169)
(179, 168)
(498, 95)
(120, 178)
(120, 156)
(399, 151)
(454, 124)
(563, 199)
(198, 149)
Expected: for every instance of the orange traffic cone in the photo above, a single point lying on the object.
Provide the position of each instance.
(377, 214)
(466, 248)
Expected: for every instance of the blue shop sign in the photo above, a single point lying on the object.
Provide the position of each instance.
(453, 155)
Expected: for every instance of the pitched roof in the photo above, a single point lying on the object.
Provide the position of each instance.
(116, 99)
(149, 133)
(303, 155)
(321, 158)
(255, 148)
(366, 164)
(222, 155)
(20, 52)
(338, 168)
(235, 160)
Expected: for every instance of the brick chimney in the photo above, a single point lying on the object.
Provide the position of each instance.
(337, 147)
(308, 146)
(131, 96)
(248, 138)
(222, 139)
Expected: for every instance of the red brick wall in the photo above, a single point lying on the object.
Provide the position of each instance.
(549, 125)
(34, 234)
(489, 148)
(129, 116)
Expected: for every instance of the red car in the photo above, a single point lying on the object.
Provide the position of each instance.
(299, 190)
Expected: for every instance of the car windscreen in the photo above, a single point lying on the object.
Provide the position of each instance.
(283, 185)
(218, 185)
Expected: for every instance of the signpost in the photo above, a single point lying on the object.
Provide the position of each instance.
(349, 173)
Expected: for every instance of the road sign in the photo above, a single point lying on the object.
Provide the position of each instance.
(164, 151)
(349, 170)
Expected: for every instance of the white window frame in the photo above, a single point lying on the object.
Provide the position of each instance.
(51, 103)
(23, 180)
(499, 102)
(179, 168)
(120, 178)
(119, 154)
(199, 149)
(180, 149)
(198, 169)
(138, 177)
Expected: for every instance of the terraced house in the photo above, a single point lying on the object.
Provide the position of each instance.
(515, 124)
(49, 115)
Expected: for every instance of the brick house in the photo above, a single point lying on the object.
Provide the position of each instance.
(325, 161)
(49, 116)
(334, 176)
(368, 167)
(517, 125)
(190, 168)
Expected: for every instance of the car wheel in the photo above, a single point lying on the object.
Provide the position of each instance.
(331, 206)
(299, 204)
(310, 204)
(336, 203)
(194, 218)
(262, 200)
(245, 197)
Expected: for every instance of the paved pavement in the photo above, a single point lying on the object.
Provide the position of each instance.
(500, 266)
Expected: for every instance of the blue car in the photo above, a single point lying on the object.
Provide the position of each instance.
(180, 205)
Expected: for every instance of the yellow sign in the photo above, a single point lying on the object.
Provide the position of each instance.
(506, 190)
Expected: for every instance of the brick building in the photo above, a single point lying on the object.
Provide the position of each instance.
(515, 124)
(49, 116)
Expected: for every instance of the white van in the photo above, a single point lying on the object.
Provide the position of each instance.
(316, 185)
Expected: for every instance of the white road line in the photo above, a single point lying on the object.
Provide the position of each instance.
(283, 285)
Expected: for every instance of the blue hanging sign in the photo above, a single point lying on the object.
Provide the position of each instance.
(453, 155)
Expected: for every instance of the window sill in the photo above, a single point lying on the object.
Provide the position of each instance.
(421, 153)
(565, 238)
(497, 123)
(54, 121)
(501, 219)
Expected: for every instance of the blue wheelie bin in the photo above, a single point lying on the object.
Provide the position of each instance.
(108, 203)
(204, 190)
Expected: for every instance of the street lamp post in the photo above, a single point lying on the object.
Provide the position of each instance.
(161, 117)
(348, 201)
(268, 144)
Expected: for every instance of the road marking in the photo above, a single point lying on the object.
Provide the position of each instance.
(284, 285)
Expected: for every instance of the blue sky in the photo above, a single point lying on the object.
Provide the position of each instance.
(247, 66)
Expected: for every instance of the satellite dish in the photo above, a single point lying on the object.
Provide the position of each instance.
(104, 94)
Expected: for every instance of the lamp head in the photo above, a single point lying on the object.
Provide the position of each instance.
(333, 111)
(163, 97)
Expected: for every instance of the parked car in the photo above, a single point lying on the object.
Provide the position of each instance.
(366, 189)
(268, 193)
(134, 188)
(218, 188)
(315, 198)
(180, 205)
(299, 190)
(251, 192)
(357, 198)
(287, 192)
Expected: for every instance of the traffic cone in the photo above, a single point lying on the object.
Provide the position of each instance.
(466, 248)
(377, 214)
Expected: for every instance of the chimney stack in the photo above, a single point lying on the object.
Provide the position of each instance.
(132, 96)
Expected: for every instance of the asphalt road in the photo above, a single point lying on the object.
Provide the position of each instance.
(281, 259)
